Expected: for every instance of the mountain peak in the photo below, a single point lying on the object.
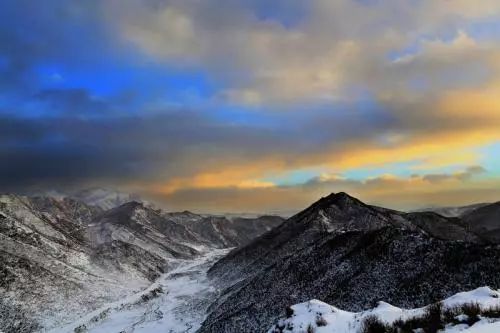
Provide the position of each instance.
(104, 197)
(340, 199)
(124, 211)
(340, 195)
(131, 204)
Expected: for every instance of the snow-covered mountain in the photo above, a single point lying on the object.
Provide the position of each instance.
(177, 234)
(50, 271)
(62, 258)
(103, 197)
(68, 266)
(350, 254)
(176, 303)
(475, 311)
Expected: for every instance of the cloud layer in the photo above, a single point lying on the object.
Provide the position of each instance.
(247, 105)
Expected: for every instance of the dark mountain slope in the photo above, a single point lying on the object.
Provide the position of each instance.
(335, 213)
(346, 253)
(447, 228)
(231, 232)
(485, 221)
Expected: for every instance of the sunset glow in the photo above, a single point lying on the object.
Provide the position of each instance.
(253, 106)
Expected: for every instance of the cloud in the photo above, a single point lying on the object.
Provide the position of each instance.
(462, 176)
(71, 102)
(432, 90)
(181, 151)
(322, 56)
(329, 85)
(55, 31)
(385, 190)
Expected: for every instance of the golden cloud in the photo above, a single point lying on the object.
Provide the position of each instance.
(443, 94)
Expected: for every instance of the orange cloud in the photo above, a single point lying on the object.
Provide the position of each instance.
(440, 123)
(482, 104)
(434, 151)
(388, 190)
(239, 175)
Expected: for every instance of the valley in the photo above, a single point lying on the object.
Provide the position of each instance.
(176, 303)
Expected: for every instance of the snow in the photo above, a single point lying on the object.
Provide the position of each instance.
(181, 307)
(18, 208)
(482, 326)
(324, 318)
(337, 320)
(484, 296)
(104, 198)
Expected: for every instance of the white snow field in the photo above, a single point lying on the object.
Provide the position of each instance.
(176, 302)
(318, 317)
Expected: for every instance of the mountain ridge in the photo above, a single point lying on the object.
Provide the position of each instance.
(60, 258)
(339, 246)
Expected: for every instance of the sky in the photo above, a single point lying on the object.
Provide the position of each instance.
(255, 105)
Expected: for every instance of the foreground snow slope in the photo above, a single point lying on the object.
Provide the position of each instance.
(176, 302)
(318, 317)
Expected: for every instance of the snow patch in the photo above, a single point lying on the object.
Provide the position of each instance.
(319, 317)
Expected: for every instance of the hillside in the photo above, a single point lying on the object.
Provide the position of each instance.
(62, 258)
(350, 254)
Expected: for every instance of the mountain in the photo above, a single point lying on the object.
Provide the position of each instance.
(50, 271)
(347, 253)
(454, 211)
(134, 223)
(103, 198)
(485, 221)
(233, 231)
(441, 227)
(61, 258)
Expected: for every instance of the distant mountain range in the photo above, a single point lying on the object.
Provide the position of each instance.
(104, 198)
(454, 211)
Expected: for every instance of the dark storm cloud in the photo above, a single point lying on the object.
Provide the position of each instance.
(15, 130)
(72, 102)
(72, 150)
(66, 148)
